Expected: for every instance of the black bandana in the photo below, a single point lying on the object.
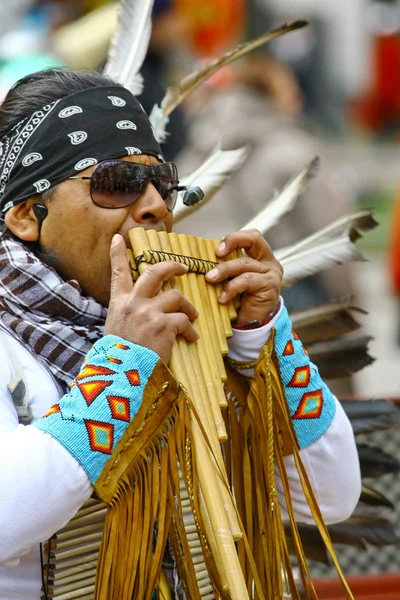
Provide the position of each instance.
(68, 136)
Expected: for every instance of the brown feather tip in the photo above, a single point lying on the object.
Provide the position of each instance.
(325, 321)
(298, 24)
(374, 498)
(364, 223)
(314, 167)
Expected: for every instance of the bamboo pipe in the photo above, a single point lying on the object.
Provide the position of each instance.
(97, 516)
(60, 555)
(72, 571)
(213, 292)
(87, 590)
(88, 510)
(71, 562)
(72, 586)
(201, 403)
(189, 288)
(72, 533)
(222, 308)
(89, 537)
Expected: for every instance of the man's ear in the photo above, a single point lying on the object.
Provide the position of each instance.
(22, 221)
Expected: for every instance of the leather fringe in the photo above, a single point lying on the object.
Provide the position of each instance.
(155, 462)
(258, 418)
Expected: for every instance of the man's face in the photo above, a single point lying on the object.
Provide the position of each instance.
(78, 233)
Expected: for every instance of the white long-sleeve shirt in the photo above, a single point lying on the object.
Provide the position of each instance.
(43, 486)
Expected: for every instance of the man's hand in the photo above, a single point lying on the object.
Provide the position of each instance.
(257, 276)
(142, 313)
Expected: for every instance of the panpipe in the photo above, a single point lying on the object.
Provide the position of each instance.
(199, 367)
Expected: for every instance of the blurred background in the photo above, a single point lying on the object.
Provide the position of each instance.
(332, 89)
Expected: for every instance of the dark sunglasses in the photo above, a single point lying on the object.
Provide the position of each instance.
(119, 183)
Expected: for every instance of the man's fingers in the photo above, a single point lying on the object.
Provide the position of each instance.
(173, 301)
(237, 266)
(121, 278)
(184, 327)
(264, 285)
(152, 279)
(250, 240)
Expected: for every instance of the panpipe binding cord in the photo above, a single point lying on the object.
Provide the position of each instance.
(195, 265)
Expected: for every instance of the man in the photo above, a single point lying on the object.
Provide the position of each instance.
(72, 185)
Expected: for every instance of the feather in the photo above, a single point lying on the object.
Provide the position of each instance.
(330, 246)
(374, 462)
(312, 542)
(129, 44)
(159, 124)
(341, 356)
(175, 95)
(325, 321)
(361, 530)
(210, 177)
(374, 498)
(318, 258)
(284, 200)
(350, 226)
(367, 416)
(357, 530)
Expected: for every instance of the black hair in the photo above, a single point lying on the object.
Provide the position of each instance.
(31, 93)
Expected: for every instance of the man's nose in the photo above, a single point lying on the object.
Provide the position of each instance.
(150, 207)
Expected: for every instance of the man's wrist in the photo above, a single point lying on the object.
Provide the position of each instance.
(256, 324)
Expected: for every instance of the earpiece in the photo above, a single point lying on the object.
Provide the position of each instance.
(41, 213)
(193, 195)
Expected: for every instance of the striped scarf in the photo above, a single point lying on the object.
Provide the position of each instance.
(48, 315)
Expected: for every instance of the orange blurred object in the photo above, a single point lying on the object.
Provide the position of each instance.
(380, 107)
(214, 24)
(394, 256)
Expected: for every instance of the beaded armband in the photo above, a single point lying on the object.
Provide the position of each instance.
(311, 404)
(105, 396)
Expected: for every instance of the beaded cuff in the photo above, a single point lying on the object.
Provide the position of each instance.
(311, 404)
(105, 396)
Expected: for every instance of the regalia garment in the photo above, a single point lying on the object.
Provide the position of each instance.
(114, 432)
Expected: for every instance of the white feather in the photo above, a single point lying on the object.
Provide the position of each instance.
(284, 200)
(318, 258)
(210, 177)
(344, 226)
(130, 43)
(159, 123)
